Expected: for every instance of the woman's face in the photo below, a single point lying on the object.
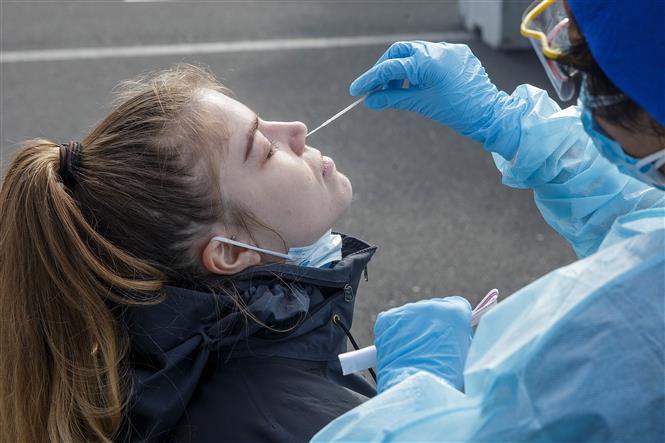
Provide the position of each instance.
(269, 170)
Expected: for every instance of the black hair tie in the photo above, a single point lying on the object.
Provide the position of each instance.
(69, 161)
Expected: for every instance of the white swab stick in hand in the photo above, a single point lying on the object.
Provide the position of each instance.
(365, 358)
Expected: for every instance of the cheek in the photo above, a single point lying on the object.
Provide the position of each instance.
(293, 202)
(284, 201)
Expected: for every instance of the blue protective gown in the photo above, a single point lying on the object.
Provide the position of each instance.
(577, 355)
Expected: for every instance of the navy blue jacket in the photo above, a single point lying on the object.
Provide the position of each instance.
(203, 371)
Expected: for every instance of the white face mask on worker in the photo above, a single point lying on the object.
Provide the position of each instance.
(319, 254)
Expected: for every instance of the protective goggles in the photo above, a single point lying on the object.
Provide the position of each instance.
(545, 23)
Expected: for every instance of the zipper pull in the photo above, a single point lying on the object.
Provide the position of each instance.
(365, 273)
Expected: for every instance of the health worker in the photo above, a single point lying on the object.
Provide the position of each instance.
(577, 355)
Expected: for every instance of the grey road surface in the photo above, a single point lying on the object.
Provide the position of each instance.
(430, 199)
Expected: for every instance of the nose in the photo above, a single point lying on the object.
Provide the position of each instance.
(297, 135)
(291, 134)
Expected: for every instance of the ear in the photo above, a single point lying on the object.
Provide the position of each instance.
(224, 259)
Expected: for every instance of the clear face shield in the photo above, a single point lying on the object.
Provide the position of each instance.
(546, 24)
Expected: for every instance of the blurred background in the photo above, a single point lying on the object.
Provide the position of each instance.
(430, 199)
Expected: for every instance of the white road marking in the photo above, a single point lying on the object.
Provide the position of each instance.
(223, 47)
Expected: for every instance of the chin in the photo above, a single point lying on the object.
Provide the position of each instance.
(346, 190)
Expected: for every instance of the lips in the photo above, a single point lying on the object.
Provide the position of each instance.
(327, 165)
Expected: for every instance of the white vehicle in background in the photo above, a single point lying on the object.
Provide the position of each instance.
(497, 21)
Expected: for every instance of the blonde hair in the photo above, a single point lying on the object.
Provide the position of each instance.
(143, 194)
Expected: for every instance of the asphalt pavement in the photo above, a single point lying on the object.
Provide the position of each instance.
(430, 199)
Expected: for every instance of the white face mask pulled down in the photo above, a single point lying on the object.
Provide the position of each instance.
(320, 254)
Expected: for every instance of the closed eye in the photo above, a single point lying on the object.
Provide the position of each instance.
(273, 149)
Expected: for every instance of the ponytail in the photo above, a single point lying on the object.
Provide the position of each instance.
(60, 348)
(73, 253)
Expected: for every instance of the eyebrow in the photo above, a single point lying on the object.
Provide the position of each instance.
(250, 136)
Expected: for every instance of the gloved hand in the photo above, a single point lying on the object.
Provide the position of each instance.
(447, 83)
(429, 335)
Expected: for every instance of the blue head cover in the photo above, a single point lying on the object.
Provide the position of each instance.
(627, 39)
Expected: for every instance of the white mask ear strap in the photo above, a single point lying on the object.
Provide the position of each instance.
(253, 248)
(657, 157)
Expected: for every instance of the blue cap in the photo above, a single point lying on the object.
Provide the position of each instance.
(627, 40)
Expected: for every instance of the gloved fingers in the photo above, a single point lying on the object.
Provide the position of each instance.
(430, 335)
(399, 69)
(448, 311)
(386, 319)
(460, 305)
(397, 50)
(394, 84)
(392, 98)
(456, 300)
(457, 309)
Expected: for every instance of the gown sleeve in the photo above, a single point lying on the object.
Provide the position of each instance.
(579, 192)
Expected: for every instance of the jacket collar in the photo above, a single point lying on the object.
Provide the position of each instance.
(282, 296)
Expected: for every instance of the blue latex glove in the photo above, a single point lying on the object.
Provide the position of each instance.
(429, 335)
(447, 83)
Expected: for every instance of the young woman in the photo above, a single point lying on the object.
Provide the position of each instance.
(135, 304)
